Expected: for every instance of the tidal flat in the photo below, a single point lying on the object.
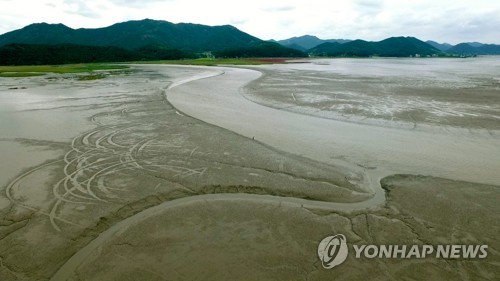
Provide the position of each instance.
(183, 172)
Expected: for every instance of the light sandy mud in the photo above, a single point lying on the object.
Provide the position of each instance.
(247, 240)
(138, 190)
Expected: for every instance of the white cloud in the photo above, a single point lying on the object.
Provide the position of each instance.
(451, 21)
(79, 7)
(136, 3)
(278, 8)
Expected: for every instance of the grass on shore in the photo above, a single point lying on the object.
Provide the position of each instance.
(20, 74)
(37, 70)
(214, 62)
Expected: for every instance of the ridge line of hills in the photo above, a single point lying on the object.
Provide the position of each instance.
(147, 39)
(312, 44)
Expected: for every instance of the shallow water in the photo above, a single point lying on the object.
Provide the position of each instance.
(455, 154)
(457, 70)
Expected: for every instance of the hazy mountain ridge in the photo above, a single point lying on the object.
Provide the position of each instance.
(315, 45)
(307, 42)
(440, 46)
(390, 47)
(468, 49)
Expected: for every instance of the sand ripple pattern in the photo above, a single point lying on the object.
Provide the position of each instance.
(94, 156)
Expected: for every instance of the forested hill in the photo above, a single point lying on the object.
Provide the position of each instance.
(394, 46)
(26, 54)
(390, 47)
(135, 34)
(181, 40)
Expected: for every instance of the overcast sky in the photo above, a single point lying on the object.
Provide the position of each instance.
(451, 21)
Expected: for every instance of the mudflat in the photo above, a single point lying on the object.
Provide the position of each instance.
(171, 173)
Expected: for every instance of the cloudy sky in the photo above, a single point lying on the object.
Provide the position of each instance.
(451, 21)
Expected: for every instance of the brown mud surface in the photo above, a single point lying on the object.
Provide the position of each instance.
(106, 180)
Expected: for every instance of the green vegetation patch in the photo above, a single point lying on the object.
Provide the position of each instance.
(90, 77)
(37, 70)
(20, 74)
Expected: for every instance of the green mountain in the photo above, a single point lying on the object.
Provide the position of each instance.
(405, 46)
(394, 46)
(307, 42)
(390, 47)
(22, 54)
(474, 44)
(357, 48)
(132, 35)
(25, 54)
(489, 49)
(463, 49)
(325, 49)
(469, 49)
(441, 46)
